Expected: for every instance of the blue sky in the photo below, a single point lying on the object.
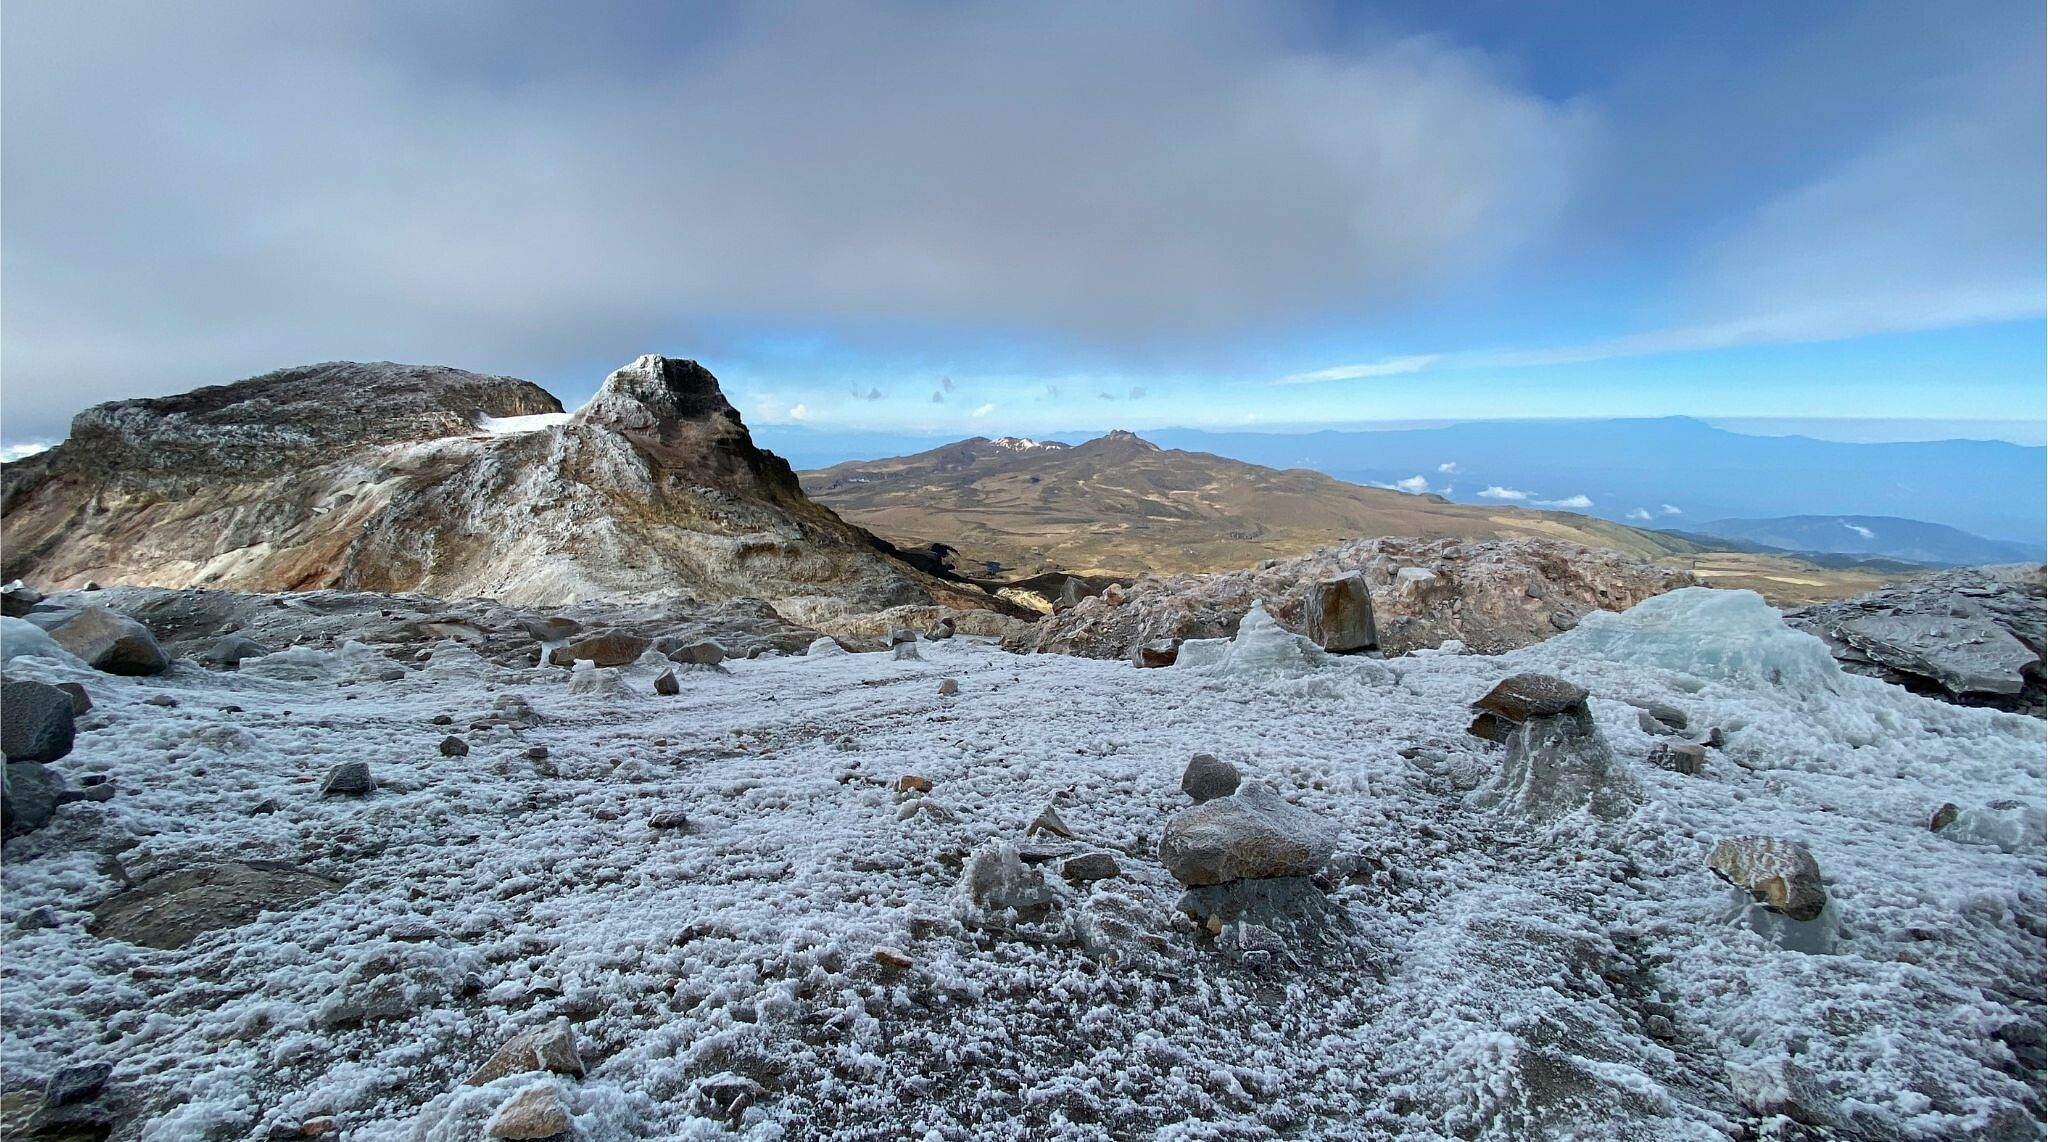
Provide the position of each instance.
(999, 218)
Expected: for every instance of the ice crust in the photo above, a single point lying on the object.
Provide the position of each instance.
(1497, 977)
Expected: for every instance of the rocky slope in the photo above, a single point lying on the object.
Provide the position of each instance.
(394, 478)
(1493, 596)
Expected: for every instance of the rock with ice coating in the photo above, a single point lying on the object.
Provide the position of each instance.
(1782, 875)
(22, 637)
(587, 677)
(823, 648)
(1248, 835)
(1519, 698)
(1261, 646)
(1709, 633)
(1557, 764)
(996, 877)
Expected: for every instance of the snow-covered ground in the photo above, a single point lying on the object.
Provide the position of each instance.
(1486, 977)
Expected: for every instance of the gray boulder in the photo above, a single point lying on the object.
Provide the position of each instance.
(29, 795)
(552, 629)
(548, 1048)
(666, 685)
(1782, 875)
(172, 910)
(352, 778)
(614, 649)
(1247, 835)
(229, 651)
(36, 721)
(1556, 764)
(1208, 777)
(699, 652)
(114, 643)
(1337, 614)
(1519, 698)
(1964, 655)
(17, 597)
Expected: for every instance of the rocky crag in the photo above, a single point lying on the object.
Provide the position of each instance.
(390, 478)
(1493, 596)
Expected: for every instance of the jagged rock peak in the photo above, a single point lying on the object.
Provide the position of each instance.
(656, 391)
(1124, 437)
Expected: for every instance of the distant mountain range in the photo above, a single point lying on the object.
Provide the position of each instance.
(1120, 505)
(1656, 473)
(1887, 537)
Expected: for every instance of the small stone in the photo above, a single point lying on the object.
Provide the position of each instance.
(391, 674)
(452, 746)
(666, 685)
(1781, 874)
(944, 629)
(81, 701)
(162, 700)
(1715, 738)
(1659, 1027)
(1049, 823)
(17, 597)
(535, 1112)
(76, 1083)
(1944, 816)
(892, 958)
(669, 819)
(552, 629)
(700, 653)
(1663, 713)
(319, 1127)
(1679, 757)
(536, 753)
(37, 721)
(1208, 777)
(548, 1048)
(230, 650)
(1090, 866)
(1159, 652)
(912, 783)
(442, 720)
(349, 779)
(948, 688)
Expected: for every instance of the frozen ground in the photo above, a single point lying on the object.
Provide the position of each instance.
(1486, 977)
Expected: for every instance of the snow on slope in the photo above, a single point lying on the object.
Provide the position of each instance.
(1500, 979)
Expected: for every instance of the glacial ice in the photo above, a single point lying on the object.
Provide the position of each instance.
(1709, 633)
(1262, 647)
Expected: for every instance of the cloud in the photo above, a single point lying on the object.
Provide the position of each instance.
(984, 409)
(1448, 467)
(1859, 529)
(1391, 367)
(9, 453)
(799, 411)
(1573, 503)
(1137, 392)
(1496, 492)
(1413, 485)
(1670, 509)
(522, 194)
(1639, 514)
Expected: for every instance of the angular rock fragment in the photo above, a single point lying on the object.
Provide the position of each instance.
(1781, 874)
(554, 628)
(1208, 777)
(547, 1048)
(945, 628)
(1249, 834)
(352, 778)
(702, 652)
(1965, 655)
(1679, 757)
(1519, 698)
(36, 721)
(666, 685)
(29, 795)
(613, 649)
(533, 1113)
(1048, 822)
(81, 700)
(452, 746)
(230, 650)
(912, 783)
(892, 958)
(1090, 866)
(17, 597)
(113, 643)
(1156, 653)
(1336, 614)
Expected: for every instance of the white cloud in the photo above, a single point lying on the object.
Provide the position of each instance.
(1496, 492)
(1670, 509)
(1448, 468)
(1391, 367)
(1573, 503)
(1413, 485)
(22, 450)
(1639, 514)
(985, 409)
(1859, 529)
(799, 411)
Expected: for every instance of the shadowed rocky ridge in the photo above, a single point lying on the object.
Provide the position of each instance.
(386, 477)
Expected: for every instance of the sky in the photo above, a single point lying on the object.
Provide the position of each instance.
(1000, 218)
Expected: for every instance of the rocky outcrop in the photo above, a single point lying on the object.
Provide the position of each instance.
(396, 478)
(1972, 635)
(1493, 596)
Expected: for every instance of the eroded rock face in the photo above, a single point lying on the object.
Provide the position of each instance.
(1972, 635)
(1781, 874)
(1494, 596)
(172, 910)
(388, 478)
(1247, 835)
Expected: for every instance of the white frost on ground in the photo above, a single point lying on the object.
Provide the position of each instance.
(513, 425)
(1496, 978)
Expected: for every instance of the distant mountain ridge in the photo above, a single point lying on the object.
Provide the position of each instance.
(1883, 536)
